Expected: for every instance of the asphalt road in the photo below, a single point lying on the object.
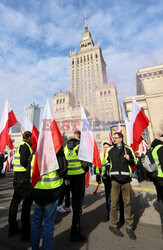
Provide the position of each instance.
(93, 223)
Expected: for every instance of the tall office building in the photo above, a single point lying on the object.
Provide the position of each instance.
(88, 83)
(33, 112)
(88, 86)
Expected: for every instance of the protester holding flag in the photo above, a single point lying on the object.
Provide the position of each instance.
(76, 175)
(48, 166)
(22, 189)
(104, 173)
(120, 157)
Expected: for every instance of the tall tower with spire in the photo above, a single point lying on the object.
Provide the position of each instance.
(87, 72)
(89, 88)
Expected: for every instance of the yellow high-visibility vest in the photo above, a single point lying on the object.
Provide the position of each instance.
(17, 166)
(74, 165)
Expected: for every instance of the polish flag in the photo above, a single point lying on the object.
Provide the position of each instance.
(49, 142)
(145, 146)
(88, 150)
(8, 120)
(110, 139)
(139, 122)
(29, 126)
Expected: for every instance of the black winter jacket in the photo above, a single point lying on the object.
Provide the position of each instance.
(119, 163)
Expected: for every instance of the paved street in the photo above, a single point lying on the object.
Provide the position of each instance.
(93, 223)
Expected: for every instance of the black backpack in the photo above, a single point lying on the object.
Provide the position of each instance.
(148, 163)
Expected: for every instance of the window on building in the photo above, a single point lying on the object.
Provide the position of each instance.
(63, 100)
(73, 62)
(108, 91)
(100, 93)
(57, 101)
(60, 100)
(96, 56)
(104, 92)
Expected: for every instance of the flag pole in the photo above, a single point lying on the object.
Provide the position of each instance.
(19, 128)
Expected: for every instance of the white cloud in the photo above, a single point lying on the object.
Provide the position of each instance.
(35, 45)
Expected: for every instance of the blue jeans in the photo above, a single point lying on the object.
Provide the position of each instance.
(47, 214)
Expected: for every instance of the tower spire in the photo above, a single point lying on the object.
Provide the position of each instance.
(86, 27)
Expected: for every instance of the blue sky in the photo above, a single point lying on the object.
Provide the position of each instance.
(36, 37)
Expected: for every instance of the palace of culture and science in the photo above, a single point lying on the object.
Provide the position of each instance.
(89, 88)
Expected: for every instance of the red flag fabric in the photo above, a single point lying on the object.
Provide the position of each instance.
(8, 166)
(49, 142)
(139, 122)
(88, 150)
(87, 179)
(29, 126)
(8, 120)
(110, 139)
(10, 142)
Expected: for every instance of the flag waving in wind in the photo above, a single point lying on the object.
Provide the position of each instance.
(139, 122)
(49, 142)
(8, 120)
(29, 126)
(88, 150)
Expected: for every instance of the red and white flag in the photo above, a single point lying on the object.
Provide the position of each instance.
(29, 126)
(88, 150)
(49, 142)
(139, 122)
(144, 146)
(110, 139)
(8, 120)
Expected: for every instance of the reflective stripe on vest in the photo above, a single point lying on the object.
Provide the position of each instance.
(156, 159)
(17, 167)
(74, 164)
(127, 173)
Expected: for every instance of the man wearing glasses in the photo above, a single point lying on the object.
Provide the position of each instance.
(120, 157)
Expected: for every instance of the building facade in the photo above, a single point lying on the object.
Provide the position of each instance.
(89, 88)
(149, 83)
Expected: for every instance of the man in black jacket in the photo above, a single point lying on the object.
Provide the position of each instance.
(157, 153)
(76, 175)
(121, 157)
(22, 189)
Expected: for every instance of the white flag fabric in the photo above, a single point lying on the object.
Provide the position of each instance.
(86, 149)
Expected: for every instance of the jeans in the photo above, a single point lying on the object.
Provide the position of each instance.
(46, 213)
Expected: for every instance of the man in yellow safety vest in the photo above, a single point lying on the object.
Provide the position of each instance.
(22, 189)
